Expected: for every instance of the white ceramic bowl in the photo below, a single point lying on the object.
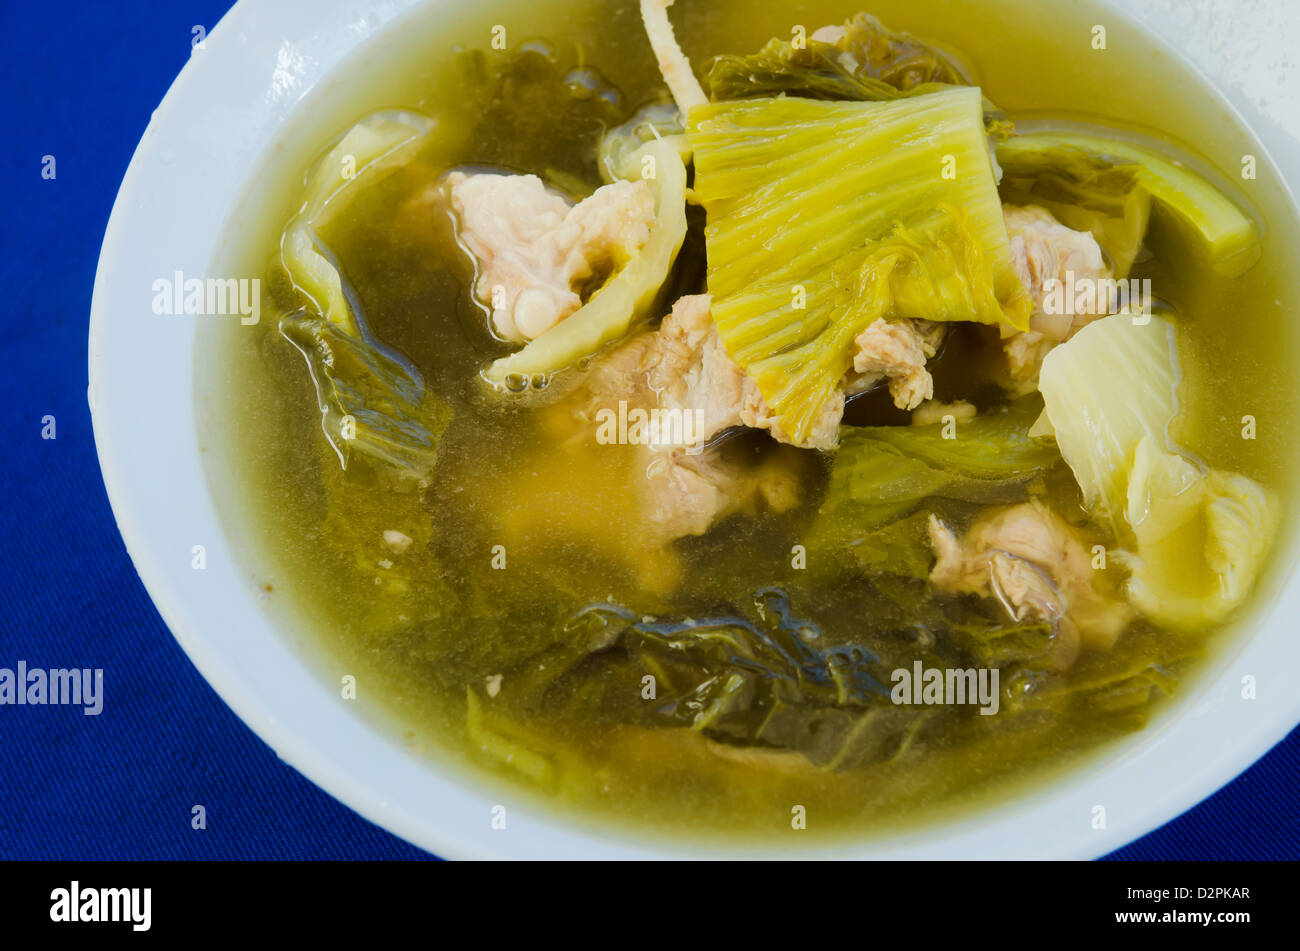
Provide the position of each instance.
(191, 167)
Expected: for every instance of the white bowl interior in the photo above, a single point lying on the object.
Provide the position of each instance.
(190, 169)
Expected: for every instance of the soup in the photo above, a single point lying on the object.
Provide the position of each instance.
(857, 426)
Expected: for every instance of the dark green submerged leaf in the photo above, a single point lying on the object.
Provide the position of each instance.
(758, 679)
(371, 401)
(767, 681)
(519, 99)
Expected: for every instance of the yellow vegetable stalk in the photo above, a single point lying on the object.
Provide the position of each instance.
(825, 216)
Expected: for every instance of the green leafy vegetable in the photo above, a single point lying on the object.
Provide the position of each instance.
(1000, 644)
(1200, 536)
(371, 401)
(826, 216)
(866, 62)
(514, 101)
(1112, 689)
(391, 589)
(631, 293)
(766, 678)
(770, 683)
(618, 146)
(371, 148)
(1227, 237)
(887, 481)
(881, 473)
(900, 548)
(994, 445)
(1083, 193)
(1105, 692)
(1108, 691)
(967, 628)
(506, 742)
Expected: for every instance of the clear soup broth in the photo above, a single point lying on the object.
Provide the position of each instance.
(524, 627)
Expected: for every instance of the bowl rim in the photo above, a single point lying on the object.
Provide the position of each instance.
(358, 761)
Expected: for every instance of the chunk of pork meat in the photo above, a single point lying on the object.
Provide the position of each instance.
(692, 371)
(688, 487)
(1035, 564)
(688, 493)
(683, 368)
(536, 251)
(1044, 250)
(896, 350)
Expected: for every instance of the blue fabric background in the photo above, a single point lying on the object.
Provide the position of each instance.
(80, 81)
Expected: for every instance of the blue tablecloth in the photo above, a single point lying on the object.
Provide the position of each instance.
(81, 80)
